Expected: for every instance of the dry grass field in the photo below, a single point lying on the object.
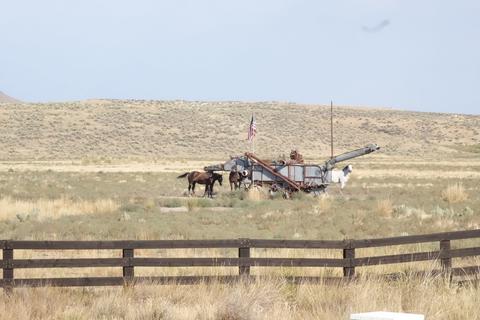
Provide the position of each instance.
(114, 129)
(272, 299)
(107, 170)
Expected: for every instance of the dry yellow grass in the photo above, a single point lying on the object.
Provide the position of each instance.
(256, 194)
(323, 204)
(384, 208)
(263, 299)
(44, 208)
(368, 169)
(162, 129)
(454, 193)
(417, 174)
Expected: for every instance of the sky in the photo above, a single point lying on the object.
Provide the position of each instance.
(416, 55)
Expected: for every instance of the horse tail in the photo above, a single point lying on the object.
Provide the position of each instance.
(183, 175)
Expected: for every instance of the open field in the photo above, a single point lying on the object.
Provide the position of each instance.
(71, 200)
(39, 204)
(107, 170)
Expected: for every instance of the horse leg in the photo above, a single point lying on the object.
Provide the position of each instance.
(210, 190)
(205, 193)
(207, 189)
(193, 188)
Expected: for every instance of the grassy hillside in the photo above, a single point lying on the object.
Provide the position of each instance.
(196, 130)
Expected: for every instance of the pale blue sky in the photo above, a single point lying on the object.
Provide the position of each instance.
(418, 55)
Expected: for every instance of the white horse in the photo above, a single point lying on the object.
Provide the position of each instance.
(341, 176)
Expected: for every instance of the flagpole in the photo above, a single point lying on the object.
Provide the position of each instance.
(253, 142)
(331, 128)
(251, 133)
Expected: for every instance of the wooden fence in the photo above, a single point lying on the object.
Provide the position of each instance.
(244, 261)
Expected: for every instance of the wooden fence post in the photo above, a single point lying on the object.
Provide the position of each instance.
(445, 259)
(244, 252)
(7, 269)
(128, 271)
(349, 255)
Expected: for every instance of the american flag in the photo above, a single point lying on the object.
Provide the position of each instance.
(252, 129)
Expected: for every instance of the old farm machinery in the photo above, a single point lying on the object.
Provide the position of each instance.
(288, 176)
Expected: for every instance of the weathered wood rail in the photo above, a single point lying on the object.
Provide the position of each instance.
(244, 261)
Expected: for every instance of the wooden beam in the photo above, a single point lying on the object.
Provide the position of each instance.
(7, 270)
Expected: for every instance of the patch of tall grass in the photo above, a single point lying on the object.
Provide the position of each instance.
(42, 209)
(455, 193)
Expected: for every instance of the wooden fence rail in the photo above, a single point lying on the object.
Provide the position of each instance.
(244, 261)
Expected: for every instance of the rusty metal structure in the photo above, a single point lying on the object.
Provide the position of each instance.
(291, 175)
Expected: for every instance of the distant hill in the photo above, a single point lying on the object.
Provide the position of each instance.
(214, 130)
(7, 99)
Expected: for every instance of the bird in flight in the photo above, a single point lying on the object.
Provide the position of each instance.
(380, 26)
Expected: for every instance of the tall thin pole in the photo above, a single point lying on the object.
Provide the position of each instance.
(253, 137)
(252, 132)
(331, 128)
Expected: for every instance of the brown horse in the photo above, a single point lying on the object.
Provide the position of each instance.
(235, 178)
(206, 178)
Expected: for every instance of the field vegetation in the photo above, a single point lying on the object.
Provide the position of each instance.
(97, 203)
(152, 205)
(266, 299)
(107, 170)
